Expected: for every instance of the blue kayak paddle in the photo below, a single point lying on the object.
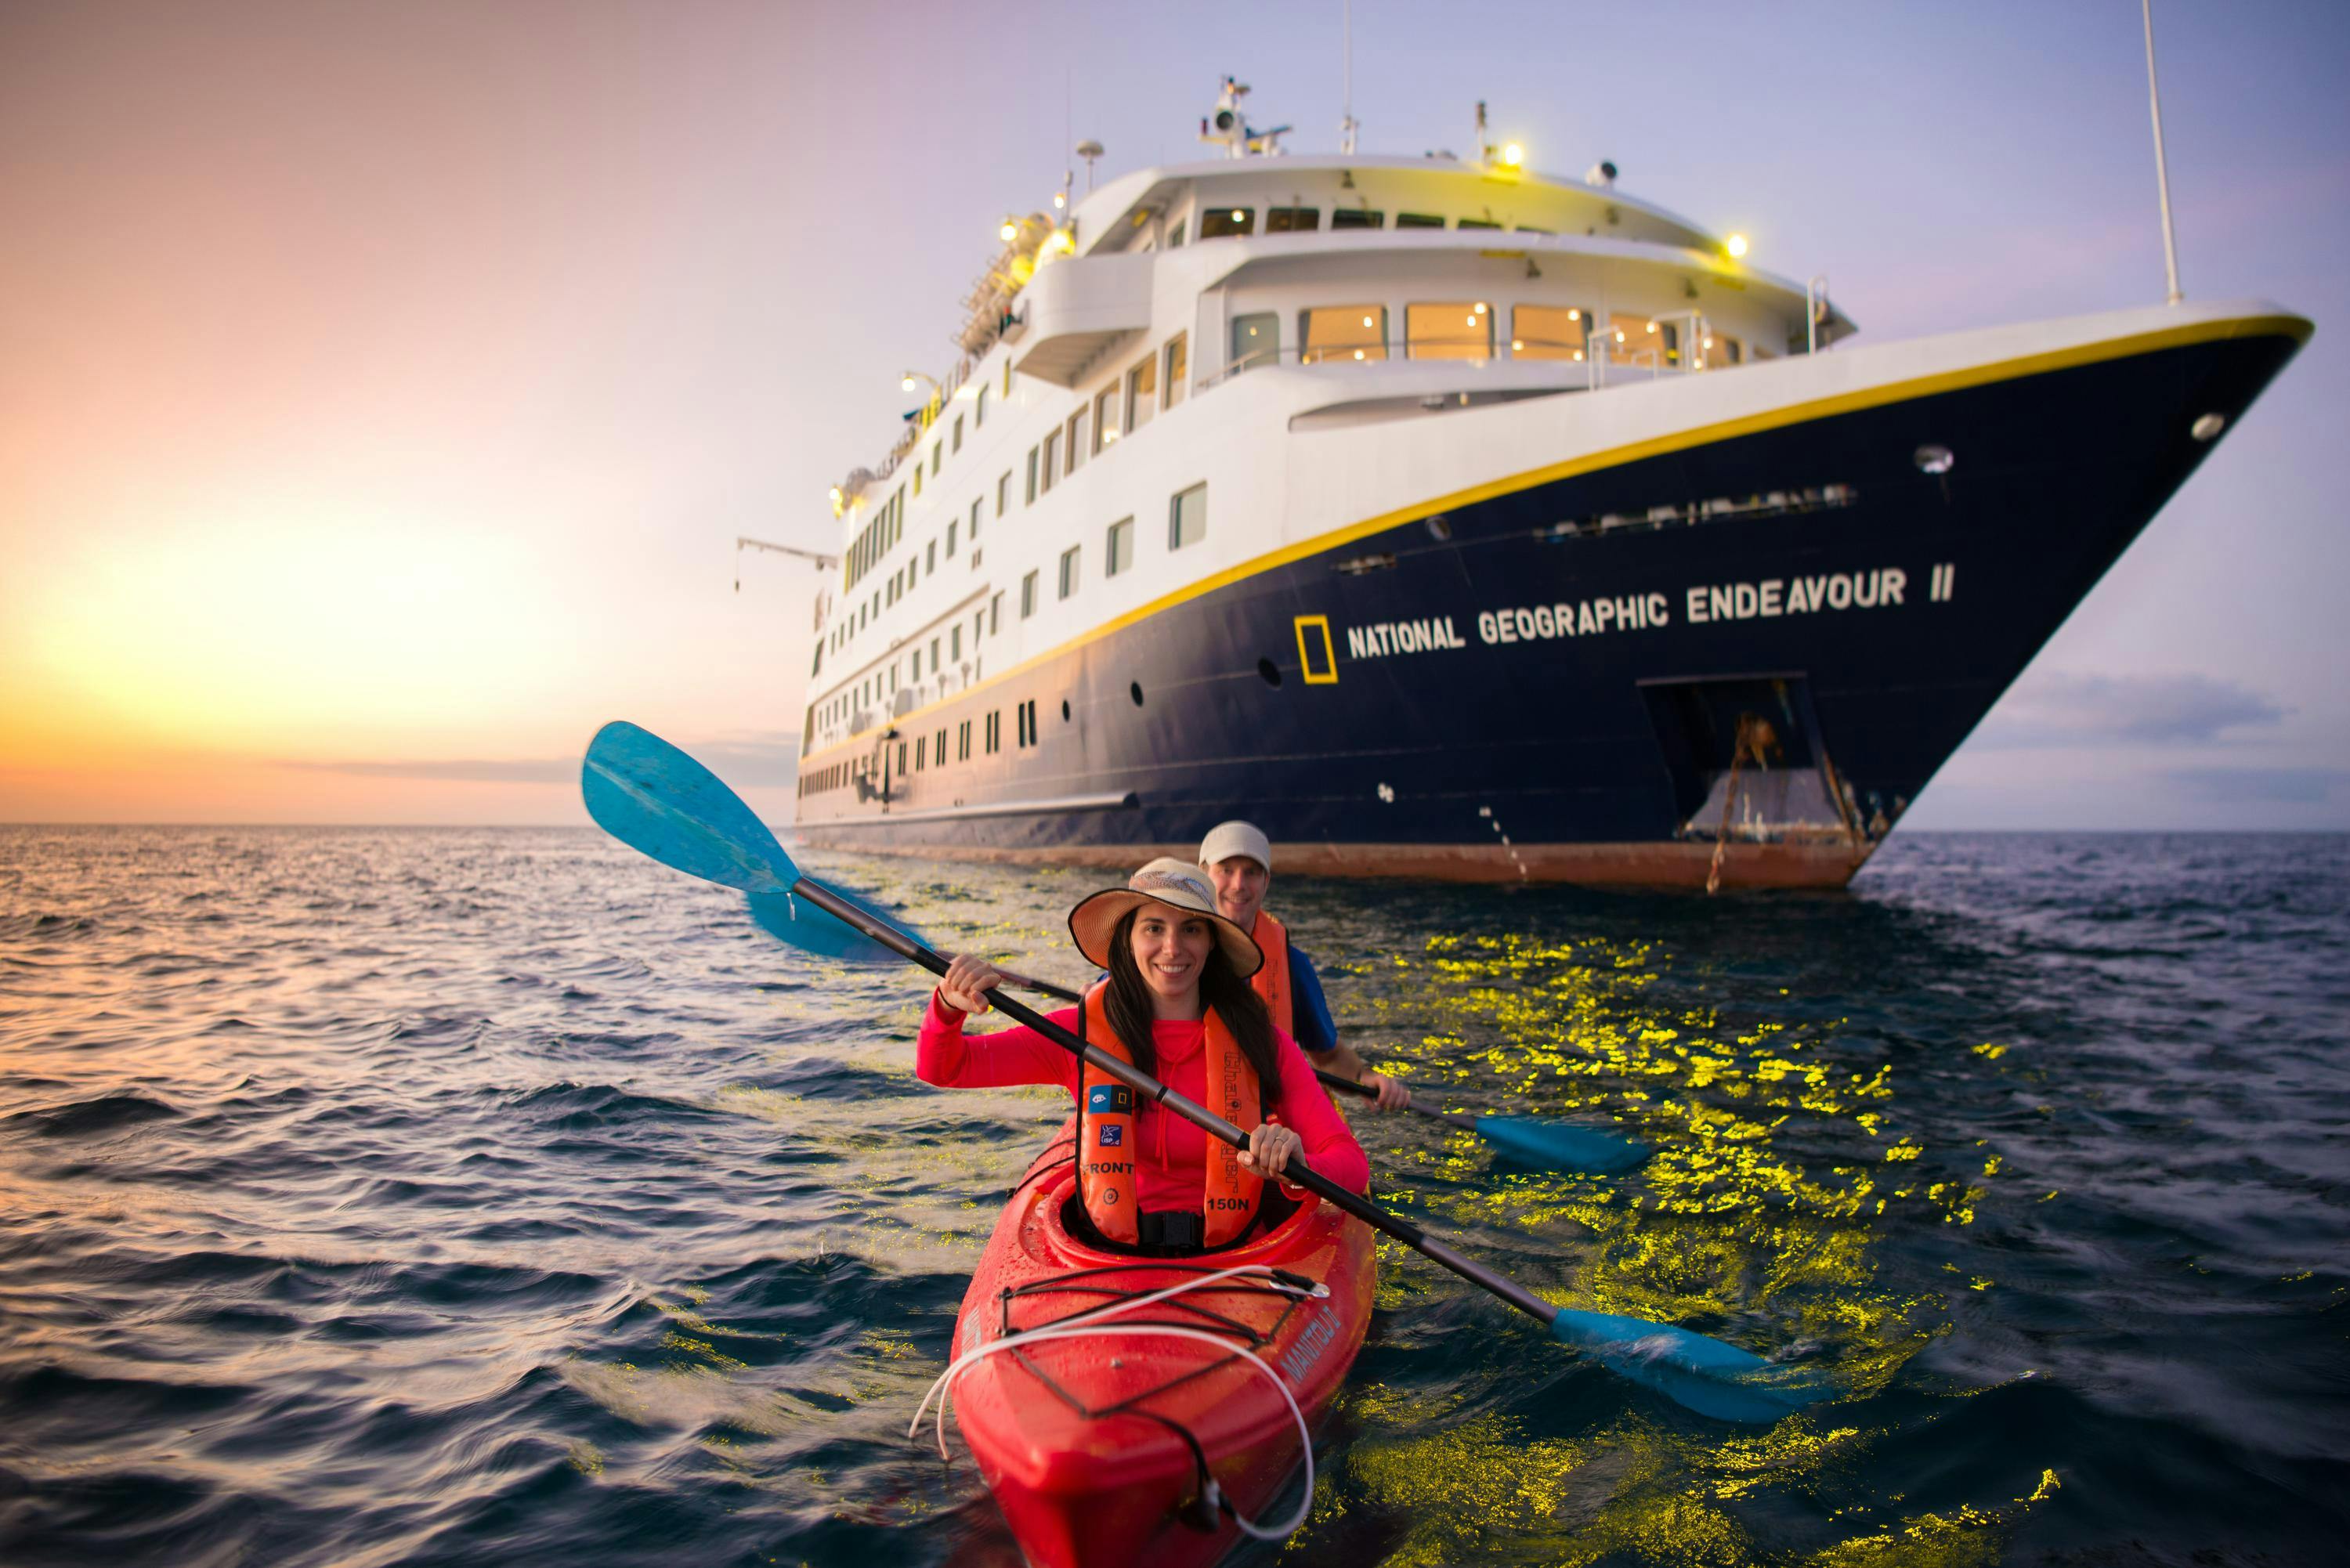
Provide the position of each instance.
(1529, 1141)
(650, 795)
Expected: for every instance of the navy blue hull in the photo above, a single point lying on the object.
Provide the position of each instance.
(1447, 697)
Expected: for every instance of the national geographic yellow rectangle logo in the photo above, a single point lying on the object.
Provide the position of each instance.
(1314, 655)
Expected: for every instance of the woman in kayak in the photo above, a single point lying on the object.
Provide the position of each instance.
(1177, 1004)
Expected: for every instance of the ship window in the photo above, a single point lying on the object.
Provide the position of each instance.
(1642, 340)
(1548, 331)
(1256, 340)
(922, 745)
(1069, 570)
(1292, 219)
(1723, 350)
(1530, 229)
(1450, 331)
(950, 533)
(1118, 550)
(918, 478)
(1007, 375)
(1002, 502)
(1076, 442)
(963, 741)
(901, 756)
(1476, 224)
(1027, 596)
(995, 614)
(1026, 713)
(994, 731)
(931, 556)
(1418, 220)
(939, 746)
(958, 433)
(1032, 476)
(1105, 430)
(1052, 461)
(1217, 222)
(954, 643)
(979, 408)
(1343, 333)
(1179, 370)
(1187, 517)
(1175, 236)
(1142, 393)
(1355, 218)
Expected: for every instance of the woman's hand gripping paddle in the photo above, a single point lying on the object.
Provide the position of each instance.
(650, 795)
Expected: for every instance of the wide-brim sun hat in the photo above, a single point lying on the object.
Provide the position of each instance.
(1164, 881)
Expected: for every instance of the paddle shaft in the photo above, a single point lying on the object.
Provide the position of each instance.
(1452, 1118)
(1297, 1173)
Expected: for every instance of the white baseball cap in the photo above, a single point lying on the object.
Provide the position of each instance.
(1227, 839)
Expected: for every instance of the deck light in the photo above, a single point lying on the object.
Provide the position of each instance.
(1514, 155)
(1358, 353)
(1575, 315)
(1736, 246)
(1471, 320)
(1480, 307)
(1709, 342)
(1060, 200)
(1517, 345)
(1366, 321)
(1620, 337)
(1578, 356)
(1652, 327)
(1240, 215)
(906, 382)
(1009, 231)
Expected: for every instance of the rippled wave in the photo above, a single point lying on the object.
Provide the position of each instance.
(459, 1196)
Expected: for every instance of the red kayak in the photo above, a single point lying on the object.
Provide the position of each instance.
(1127, 1376)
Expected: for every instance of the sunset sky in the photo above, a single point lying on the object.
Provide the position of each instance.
(382, 386)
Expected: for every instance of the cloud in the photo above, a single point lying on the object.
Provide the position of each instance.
(746, 761)
(2063, 709)
(2237, 786)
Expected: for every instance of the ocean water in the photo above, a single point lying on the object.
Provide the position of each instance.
(498, 1196)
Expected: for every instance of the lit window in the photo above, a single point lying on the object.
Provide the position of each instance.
(1007, 375)
(1179, 370)
(1418, 220)
(1069, 570)
(1642, 340)
(1027, 596)
(1347, 333)
(1292, 219)
(1105, 430)
(1217, 222)
(1187, 517)
(1256, 341)
(1723, 350)
(917, 477)
(1117, 551)
(1546, 332)
(1355, 218)
(1462, 331)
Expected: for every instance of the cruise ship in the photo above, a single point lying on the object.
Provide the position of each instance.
(1450, 519)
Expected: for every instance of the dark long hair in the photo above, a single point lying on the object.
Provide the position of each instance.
(1128, 1006)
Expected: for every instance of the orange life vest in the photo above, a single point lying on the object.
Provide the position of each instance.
(1272, 981)
(1105, 1151)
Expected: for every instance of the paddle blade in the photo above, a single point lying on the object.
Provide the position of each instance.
(801, 924)
(1560, 1145)
(653, 798)
(1705, 1374)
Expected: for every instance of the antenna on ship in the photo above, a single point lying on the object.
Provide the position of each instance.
(1346, 122)
(2161, 171)
(1089, 149)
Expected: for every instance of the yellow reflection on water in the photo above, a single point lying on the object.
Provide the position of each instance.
(1781, 1164)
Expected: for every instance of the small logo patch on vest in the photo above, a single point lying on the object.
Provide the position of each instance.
(1109, 1099)
(1113, 1136)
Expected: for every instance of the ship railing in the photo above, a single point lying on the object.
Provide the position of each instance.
(1643, 363)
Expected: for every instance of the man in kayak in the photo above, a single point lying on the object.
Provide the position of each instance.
(1177, 1004)
(1238, 859)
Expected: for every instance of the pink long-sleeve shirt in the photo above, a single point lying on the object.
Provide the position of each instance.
(1171, 1155)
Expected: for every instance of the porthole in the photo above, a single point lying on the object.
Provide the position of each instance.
(1064, 709)
(1934, 459)
(2208, 427)
(1439, 526)
(1269, 671)
(1133, 689)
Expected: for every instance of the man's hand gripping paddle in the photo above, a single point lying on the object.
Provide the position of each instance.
(653, 797)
